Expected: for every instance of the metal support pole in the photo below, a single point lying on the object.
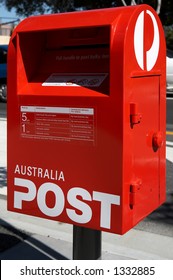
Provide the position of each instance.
(86, 244)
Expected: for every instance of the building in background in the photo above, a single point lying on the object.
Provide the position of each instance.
(7, 26)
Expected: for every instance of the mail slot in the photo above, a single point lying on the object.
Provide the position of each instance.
(86, 117)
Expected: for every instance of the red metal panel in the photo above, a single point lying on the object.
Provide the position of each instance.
(80, 89)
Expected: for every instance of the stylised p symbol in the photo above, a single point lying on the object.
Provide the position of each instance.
(146, 58)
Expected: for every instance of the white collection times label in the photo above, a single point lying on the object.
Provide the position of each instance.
(58, 123)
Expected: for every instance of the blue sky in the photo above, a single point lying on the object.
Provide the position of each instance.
(5, 13)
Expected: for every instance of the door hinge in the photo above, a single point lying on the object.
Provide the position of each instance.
(135, 116)
(134, 189)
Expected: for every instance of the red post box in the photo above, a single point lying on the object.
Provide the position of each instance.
(86, 117)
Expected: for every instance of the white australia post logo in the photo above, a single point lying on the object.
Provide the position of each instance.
(141, 54)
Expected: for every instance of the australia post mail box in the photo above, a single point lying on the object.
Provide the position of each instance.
(86, 117)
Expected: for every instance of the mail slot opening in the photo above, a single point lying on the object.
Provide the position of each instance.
(76, 57)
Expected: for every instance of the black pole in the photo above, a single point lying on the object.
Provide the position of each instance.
(86, 243)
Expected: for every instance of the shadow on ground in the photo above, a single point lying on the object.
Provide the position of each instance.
(3, 177)
(23, 246)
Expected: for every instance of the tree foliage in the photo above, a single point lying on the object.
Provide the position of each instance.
(31, 7)
(26, 8)
(166, 14)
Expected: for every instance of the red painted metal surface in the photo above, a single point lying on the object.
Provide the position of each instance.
(86, 117)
